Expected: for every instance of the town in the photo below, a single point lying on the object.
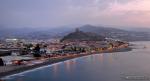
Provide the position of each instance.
(21, 52)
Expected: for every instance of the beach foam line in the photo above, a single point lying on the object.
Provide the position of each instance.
(32, 70)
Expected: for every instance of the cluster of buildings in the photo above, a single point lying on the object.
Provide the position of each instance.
(53, 46)
(16, 46)
(88, 46)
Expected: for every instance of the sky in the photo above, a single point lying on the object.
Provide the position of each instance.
(54, 13)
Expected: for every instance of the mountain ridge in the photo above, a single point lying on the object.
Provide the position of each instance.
(33, 33)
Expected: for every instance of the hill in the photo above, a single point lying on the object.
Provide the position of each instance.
(117, 33)
(48, 33)
(80, 36)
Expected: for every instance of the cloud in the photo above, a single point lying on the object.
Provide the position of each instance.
(131, 13)
(135, 13)
(48, 13)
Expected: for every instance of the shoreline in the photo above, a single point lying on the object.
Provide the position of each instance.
(23, 68)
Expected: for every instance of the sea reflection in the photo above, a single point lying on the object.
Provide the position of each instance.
(20, 79)
(110, 58)
(69, 65)
(55, 70)
(101, 56)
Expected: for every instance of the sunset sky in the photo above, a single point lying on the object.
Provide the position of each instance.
(53, 13)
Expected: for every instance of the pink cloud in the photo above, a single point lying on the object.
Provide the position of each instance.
(134, 13)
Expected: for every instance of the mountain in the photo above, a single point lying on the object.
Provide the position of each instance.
(33, 33)
(6, 32)
(117, 33)
(59, 32)
(138, 29)
(82, 36)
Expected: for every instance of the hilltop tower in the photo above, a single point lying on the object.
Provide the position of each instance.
(77, 30)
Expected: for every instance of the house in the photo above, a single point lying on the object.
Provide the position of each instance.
(4, 52)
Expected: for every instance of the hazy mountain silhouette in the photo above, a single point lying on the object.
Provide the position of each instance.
(36, 33)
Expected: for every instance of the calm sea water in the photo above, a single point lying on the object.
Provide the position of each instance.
(121, 66)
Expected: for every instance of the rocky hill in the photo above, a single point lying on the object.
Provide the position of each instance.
(80, 35)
